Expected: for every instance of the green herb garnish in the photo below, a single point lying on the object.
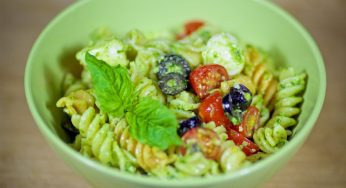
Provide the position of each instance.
(150, 121)
(154, 124)
(113, 86)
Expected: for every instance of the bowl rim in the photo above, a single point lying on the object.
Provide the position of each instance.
(154, 181)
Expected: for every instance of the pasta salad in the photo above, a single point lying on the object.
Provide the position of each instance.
(190, 102)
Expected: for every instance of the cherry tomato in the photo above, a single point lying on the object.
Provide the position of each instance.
(250, 123)
(192, 26)
(248, 147)
(189, 28)
(206, 78)
(211, 110)
(204, 140)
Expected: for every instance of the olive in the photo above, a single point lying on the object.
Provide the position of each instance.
(188, 124)
(227, 103)
(172, 84)
(68, 127)
(172, 63)
(241, 97)
(236, 102)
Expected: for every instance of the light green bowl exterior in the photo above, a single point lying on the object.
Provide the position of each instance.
(256, 21)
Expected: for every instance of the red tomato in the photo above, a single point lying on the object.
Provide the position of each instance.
(248, 147)
(250, 123)
(211, 110)
(189, 28)
(206, 78)
(204, 140)
(192, 26)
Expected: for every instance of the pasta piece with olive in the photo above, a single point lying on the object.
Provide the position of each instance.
(77, 102)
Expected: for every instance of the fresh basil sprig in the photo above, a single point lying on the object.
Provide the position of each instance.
(113, 86)
(150, 121)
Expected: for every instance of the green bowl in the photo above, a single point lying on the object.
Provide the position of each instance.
(257, 21)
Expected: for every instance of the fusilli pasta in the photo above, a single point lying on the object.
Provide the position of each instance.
(240, 79)
(183, 105)
(270, 139)
(76, 102)
(195, 164)
(231, 158)
(148, 88)
(97, 140)
(149, 158)
(220, 130)
(257, 69)
(287, 98)
(257, 101)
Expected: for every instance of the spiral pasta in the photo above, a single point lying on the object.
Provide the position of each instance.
(136, 72)
(289, 95)
(183, 105)
(148, 57)
(191, 47)
(193, 57)
(89, 124)
(257, 101)
(77, 142)
(134, 40)
(97, 140)
(194, 164)
(232, 157)
(270, 139)
(151, 159)
(257, 68)
(257, 156)
(220, 130)
(76, 102)
(147, 88)
(239, 79)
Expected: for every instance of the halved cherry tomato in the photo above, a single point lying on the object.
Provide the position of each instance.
(250, 123)
(211, 110)
(204, 140)
(248, 147)
(206, 78)
(189, 28)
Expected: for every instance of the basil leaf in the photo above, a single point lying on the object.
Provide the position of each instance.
(152, 123)
(113, 87)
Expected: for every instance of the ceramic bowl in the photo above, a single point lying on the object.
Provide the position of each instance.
(259, 22)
